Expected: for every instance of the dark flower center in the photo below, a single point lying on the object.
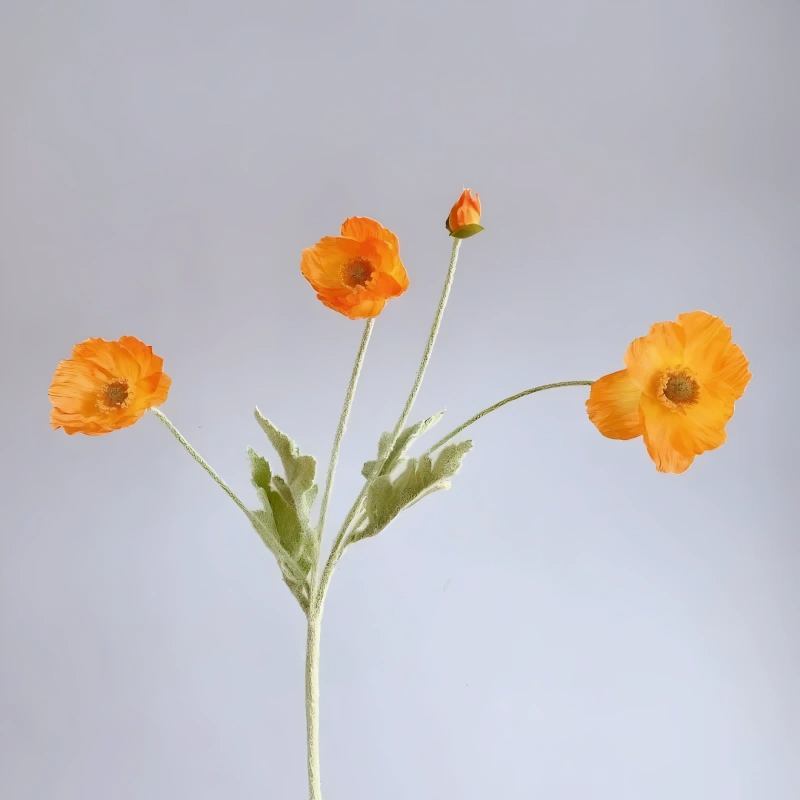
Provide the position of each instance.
(356, 272)
(116, 394)
(681, 389)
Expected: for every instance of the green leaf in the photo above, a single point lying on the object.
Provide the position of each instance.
(299, 469)
(293, 574)
(406, 438)
(466, 231)
(283, 521)
(388, 495)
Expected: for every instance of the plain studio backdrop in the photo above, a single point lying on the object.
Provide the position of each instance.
(565, 623)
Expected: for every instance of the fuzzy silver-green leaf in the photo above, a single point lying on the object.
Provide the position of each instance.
(406, 438)
(391, 494)
(283, 521)
(298, 469)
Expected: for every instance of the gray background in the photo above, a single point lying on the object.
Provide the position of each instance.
(566, 623)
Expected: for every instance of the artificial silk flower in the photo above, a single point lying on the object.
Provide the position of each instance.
(677, 391)
(106, 386)
(357, 272)
(465, 216)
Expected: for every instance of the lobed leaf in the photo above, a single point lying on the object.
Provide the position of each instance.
(388, 496)
(406, 438)
(299, 469)
(283, 521)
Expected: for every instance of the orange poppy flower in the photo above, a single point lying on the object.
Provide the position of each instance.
(357, 272)
(677, 391)
(465, 216)
(106, 386)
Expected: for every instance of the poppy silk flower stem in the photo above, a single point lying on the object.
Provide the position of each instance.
(318, 598)
(202, 462)
(500, 404)
(426, 357)
(315, 606)
(312, 697)
(337, 441)
(341, 542)
(207, 467)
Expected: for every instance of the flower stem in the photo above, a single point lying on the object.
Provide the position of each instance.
(337, 441)
(478, 416)
(267, 538)
(312, 698)
(316, 600)
(202, 462)
(320, 589)
(340, 542)
(426, 356)
(494, 407)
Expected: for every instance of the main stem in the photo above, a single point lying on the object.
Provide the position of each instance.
(319, 589)
(312, 697)
(316, 599)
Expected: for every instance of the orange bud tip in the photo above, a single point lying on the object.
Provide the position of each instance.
(465, 216)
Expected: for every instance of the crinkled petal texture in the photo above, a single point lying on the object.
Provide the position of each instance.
(678, 390)
(357, 272)
(106, 386)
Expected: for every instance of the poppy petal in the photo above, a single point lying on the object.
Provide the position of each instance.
(613, 406)
(707, 338)
(732, 374)
(363, 308)
(658, 424)
(648, 355)
(106, 386)
(363, 228)
(356, 273)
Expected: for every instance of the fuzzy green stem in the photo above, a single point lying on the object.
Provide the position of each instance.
(426, 357)
(341, 542)
(253, 520)
(337, 441)
(315, 604)
(494, 407)
(312, 698)
(319, 590)
(202, 462)
(478, 416)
